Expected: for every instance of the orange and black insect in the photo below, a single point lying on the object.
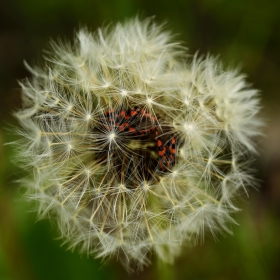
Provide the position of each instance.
(126, 121)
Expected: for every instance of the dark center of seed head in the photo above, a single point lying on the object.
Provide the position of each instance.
(139, 145)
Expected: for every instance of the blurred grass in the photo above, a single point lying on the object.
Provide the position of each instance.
(243, 33)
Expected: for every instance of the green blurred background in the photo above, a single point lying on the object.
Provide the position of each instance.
(244, 33)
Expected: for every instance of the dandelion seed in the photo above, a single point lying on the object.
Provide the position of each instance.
(124, 93)
(134, 150)
(187, 102)
(88, 117)
(112, 136)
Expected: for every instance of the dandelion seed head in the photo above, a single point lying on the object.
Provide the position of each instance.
(132, 149)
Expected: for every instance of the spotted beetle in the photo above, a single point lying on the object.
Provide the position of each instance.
(126, 121)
